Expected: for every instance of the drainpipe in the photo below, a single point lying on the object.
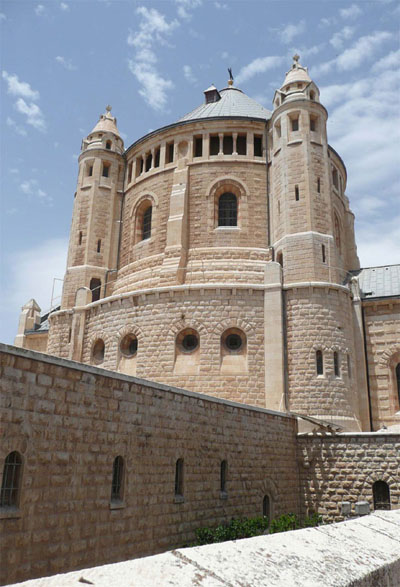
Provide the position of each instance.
(367, 368)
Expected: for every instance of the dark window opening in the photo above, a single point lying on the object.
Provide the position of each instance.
(279, 258)
(10, 486)
(95, 286)
(146, 228)
(179, 478)
(130, 172)
(190, 342)
(349, 366)
(227, 210)
(98, 351)
(241, 145)
(323, 253)
(106, 170)
(398, 380)
(257, 145)
(149, 160)
(129, 345)
(117, 479)
(294, 124)
(99, 245)
(266, 508)
(296, 193)
(214, 144)
(69, 335)
(223, 476)
(318, 185)
(108, 145)
(80, 237)
(170, 152)
(227, 145)
(381, 493)
(312, 95)
(233, 342)
(90, 170)
(157, 158)
(319, 359)
(335, 178)
(198, 146)
(336, 365)
(313, 123)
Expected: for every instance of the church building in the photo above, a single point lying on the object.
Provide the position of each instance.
(217, 254)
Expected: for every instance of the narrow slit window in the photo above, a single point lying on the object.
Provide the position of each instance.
(335, 178)
(227, 210)
(198, 146)
(99, 245)
(146, 231)
(179, 478)
(318, 185)
(323, 253)
(223, 476)
(130, 166)
(108, 145)
(106, 170)
(267, 507)
(257, 145)
(214, 144)
(336, 364)
(319, 359)
(279, 258)
(170, 152)
(117, 479)
(11, 483)
(149, 160)
(349, 366)
(241, 145)
(296, 193)
(398, 381)
(157, 158)
(80, 237)
(313, 123)
(95, 287)
(89, 170)
(294, 123)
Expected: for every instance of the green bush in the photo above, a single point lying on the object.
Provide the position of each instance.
(248, 527)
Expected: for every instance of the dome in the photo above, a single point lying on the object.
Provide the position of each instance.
(107, 123)
(297, 73)
(232, 103)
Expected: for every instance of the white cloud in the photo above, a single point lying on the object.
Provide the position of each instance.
(184, 7)
(30, 187)
(2, 16)
(39, 10)
(338, 38)
(64, 6)
(66, 63)
(18, 129)
(34, 116)
(17, 88)
(351, 12)
(392, 59)
(290, 31)
(325, 22)
(153, 29)
(221, 5)
(259, 65)
(31, 274)
(189, 75)
(224, 55)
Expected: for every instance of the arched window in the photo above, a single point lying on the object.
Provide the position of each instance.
(319, 359)
(179, 478)
(381, 493)
(146, 224)
(227, 210)
(336, 364)
(10, 486)
(337, 233)
(266, 508)
(223, 476)
(95, 286)
(117, 479)
(108, 145)
(98, 351)
(398, 381)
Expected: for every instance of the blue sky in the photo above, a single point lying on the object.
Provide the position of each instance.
(63, 62)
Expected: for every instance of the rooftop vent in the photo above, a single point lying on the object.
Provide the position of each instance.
(212, 94)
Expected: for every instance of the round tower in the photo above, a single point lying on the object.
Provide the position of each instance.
(93, 246)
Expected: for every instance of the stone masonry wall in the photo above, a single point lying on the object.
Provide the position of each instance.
(344, 467)
(69, 421)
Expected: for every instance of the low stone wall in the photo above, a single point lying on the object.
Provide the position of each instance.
(344, 468)
(361, 553)
(69, 422)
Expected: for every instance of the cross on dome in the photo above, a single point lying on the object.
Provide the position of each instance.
(108, 108)
(296, 58)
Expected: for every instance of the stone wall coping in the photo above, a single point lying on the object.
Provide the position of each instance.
(339, 435)
(304, 233)
(52, 360)
(203, 287)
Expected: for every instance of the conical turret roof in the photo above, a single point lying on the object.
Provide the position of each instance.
(107, 123)
(297, 73)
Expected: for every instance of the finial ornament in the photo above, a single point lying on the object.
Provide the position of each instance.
(296, 58)
(230, 81)
(108, 108)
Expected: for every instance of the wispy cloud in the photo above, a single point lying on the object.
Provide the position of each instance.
(221, 5)
(325, 22)
(40, 10)
(34, 116)
(185, 8)
(392, 59)
(189, 75)
(290, 31)
(2, 16)
(338, 39)
(350, 13)
(66, 63)
(153, 29)
(258, 65)
(64, 6)
(18, 129)
(17, 88)
(30, 187)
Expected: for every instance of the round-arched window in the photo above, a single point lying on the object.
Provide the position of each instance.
(129, 345)
(227, 210)
(188, 340)
(234, 340)
(98, 351)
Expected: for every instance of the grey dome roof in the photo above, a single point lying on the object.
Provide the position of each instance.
(233, 103)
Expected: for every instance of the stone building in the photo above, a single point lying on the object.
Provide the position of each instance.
(218, 254)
